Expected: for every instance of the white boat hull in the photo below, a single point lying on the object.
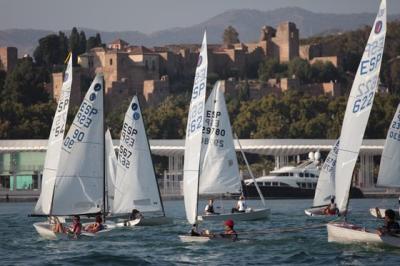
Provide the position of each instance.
(381, 214)
(45, 230)
(348, 234)
(194, 239)
(130, 223)
(317, 212)
(257, 214)
(145, 221)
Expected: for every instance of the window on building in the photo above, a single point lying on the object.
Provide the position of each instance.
(111, 61)
(301, 175)
(4, 182)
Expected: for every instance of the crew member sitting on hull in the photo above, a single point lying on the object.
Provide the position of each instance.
(240, 206)
(390, 227)
(331, 209)
(229, 232)
(209, 209)
(96, 226)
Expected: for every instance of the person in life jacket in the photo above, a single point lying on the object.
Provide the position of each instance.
(76, 227)
(229, 232)
(390, 226)
(96, 226)
(241, 205)
(331, 209)
(209, 209)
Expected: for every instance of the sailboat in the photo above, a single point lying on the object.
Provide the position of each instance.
(389, 167)
(325, 190)
(135, 181)
(193, 144)
(219, 166)
(355, 121)
(78, 186)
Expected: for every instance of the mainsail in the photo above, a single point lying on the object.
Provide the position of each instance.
(219, 167)
(326, 181)
(79, 187)
(136, 185)
(389, 171)
(194, 136)
(111, 166)
(359, 107)
(43, 205)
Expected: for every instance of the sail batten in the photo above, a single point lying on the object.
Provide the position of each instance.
(194, 129)
(44, 203)
(359, 107)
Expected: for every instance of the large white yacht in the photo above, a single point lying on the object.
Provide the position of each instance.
(297, 181)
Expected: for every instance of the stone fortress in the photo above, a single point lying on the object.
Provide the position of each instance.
(150, 72)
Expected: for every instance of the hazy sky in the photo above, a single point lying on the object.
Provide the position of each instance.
(152, 15)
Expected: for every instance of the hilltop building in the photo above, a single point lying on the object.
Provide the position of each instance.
(8, 58)
(151, 73)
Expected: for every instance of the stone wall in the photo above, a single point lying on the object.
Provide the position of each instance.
(8, 58)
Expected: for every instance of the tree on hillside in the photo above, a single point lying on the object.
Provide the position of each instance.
(74, 44)
(271, 68)
(93, 41)
(82, 42)
(300, 69)
(25, 84)
(230, 36)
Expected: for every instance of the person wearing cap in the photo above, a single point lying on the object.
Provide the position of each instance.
(240, 206)
(229, 232)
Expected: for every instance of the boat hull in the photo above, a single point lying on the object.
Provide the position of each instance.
(348, 234)
(381, 213)
(317, 212)
(257, 214)
(250, 191)
(194, 239)
(45, 230)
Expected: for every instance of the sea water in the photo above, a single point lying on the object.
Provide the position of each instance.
(260, 243)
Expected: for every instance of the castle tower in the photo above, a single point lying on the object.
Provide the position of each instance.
(287, 39)
(8, 58)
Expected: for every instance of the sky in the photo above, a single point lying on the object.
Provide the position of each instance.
(153, 15)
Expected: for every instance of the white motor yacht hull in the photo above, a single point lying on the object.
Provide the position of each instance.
(347, 233)
(380, 213)
(257, 214)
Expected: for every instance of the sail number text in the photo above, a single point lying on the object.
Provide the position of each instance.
(128, 136)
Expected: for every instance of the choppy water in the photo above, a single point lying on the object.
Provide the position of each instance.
(21, 245)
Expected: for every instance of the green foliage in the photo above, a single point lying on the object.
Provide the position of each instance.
(271, 68)
(301, 69)
(25, 84)
(230, 36)
(93, 41)
(50, 51)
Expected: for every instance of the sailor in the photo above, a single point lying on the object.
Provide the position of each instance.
(135, 215)
(240, 206)
(193, 231)
(391, 226)
(331, 209)
(229, 232)
(96, 226)
(209, 209)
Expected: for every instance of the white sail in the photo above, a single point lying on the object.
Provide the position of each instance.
(359, 107)
(194, 136)
(79, 185)
(219, 167)
(111, 166)
(326, 181)
(43, 205)
(389, 171)
(136, 185)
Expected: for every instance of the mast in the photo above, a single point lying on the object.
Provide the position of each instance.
(104, 156)
(251, 172)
